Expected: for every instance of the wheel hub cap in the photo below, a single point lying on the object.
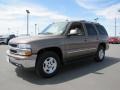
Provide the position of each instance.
(101, 54)
(49, 65)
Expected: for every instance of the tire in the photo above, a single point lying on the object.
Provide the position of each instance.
(100, 55)
(48, 64)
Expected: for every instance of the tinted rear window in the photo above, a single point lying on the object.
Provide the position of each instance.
(101, 30)
(90, 29)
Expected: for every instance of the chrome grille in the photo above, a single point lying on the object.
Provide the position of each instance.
(13, 48)
(13, 51)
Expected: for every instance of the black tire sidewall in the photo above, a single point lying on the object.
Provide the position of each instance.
(40, 60)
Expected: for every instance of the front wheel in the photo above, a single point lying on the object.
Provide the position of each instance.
(48, 64)
(100, 54)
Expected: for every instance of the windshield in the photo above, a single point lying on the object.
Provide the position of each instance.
(55, 28)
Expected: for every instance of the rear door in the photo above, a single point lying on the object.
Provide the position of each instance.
(92, 39)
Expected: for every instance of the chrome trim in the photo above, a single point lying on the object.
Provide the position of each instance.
(81, 50)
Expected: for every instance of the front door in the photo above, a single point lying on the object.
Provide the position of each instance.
(75, 41)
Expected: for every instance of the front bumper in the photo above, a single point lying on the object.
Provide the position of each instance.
(21, 61)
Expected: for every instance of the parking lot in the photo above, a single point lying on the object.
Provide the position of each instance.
(86, 75)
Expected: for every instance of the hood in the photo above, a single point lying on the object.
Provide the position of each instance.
(28, 39)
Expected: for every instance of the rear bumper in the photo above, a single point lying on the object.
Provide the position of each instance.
(21, 61)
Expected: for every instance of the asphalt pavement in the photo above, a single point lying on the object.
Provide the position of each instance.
(85, 75)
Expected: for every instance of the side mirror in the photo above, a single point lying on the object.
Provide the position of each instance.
(73, 32)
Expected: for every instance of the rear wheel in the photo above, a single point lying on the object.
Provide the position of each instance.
(100, 54)
(48, 64)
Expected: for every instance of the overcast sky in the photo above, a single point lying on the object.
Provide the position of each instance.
(44, 12)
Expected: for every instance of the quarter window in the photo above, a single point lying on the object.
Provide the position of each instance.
(101, 30)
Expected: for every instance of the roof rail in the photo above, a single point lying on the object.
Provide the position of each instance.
(95, 22)
(88, 21)
(83, 21)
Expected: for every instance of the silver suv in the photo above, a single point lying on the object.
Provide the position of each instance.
(59, 43)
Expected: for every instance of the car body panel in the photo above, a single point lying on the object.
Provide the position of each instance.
(114, 40)
(5, 38)
(71, 46)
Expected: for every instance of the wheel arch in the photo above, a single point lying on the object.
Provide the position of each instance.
(102, 44)
(57, 50)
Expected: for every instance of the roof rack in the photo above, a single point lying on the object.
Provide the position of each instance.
(89, 21)
(83, 21)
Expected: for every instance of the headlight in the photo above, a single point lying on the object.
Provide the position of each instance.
(24, 52)
(24, 49)
(24, 46)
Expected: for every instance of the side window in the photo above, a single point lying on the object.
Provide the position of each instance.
(101, 30)
(90, 29)
(78, 27)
